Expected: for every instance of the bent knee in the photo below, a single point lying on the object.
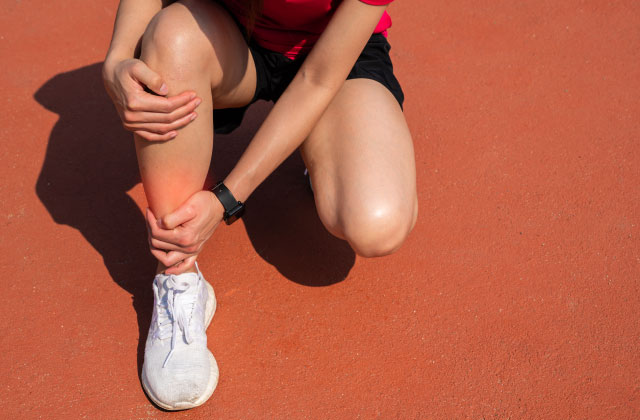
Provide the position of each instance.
(175, 42)
(170, 30)
(379, 230)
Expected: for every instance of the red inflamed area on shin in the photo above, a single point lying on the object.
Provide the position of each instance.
(516, 296)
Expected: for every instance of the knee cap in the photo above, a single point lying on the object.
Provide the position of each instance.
(379, 233)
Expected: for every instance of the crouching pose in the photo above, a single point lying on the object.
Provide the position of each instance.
(178, 71)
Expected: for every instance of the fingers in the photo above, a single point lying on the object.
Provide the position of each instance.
(138, 117)
(141, 72)
(161, 233)
(139, 94)
(177, 238)
(155, 231)
(146, 102)
(180, 216)
(181, 257)
(162, 128)
(182, 266)
(170, 258)
(158, 126)
(179, 261)
(167, 246)
(156, 117)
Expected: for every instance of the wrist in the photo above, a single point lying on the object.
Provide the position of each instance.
(111, 61)
(119, 53)
(108, 68)
(217, 210)
(238, 185)
(233, 208)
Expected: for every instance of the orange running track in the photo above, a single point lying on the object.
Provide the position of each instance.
(517, 296)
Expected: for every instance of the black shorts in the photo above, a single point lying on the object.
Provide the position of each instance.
(274, 72)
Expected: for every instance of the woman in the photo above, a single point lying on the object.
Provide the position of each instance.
(170, 65)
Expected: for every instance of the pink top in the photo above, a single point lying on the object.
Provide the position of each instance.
(292, 27)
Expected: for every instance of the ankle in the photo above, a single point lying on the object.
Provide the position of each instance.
(160, 269)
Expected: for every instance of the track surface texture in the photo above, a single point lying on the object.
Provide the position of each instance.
(515, 297)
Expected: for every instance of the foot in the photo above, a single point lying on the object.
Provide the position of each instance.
(179, 371)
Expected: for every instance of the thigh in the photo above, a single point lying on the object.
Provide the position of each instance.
(361, 162)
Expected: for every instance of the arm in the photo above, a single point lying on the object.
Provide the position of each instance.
(305, 100)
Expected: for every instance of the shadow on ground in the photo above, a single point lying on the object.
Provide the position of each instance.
(90, 165)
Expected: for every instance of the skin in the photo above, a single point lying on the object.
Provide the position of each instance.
(352, 135)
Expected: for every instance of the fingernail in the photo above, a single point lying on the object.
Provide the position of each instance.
(198, 102)
(193, 116)
(173, 135)
(164, 89)
(193, 95)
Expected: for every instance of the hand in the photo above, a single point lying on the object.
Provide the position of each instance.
(177, 238)
(152, 117)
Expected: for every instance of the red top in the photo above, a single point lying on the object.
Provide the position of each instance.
(292, 27)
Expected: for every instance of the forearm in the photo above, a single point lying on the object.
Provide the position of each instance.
(305, 100)
(286, 127)
(132, 19)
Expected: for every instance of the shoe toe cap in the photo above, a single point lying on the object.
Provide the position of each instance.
(185, 380)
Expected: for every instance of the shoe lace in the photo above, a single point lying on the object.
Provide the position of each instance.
(175, 314)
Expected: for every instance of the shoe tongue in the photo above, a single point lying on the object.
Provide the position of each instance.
(179, 280)
(190, 278)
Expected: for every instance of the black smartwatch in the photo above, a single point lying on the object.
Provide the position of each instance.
(233, 209)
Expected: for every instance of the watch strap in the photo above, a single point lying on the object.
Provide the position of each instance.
(233, 209)
(224, 195)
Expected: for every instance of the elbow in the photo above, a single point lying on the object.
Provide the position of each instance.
(320, 78)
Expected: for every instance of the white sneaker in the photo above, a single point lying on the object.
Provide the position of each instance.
(179, 371)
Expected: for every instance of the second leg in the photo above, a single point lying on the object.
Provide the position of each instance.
(362, 167)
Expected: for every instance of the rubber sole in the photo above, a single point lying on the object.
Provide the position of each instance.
(210, 309)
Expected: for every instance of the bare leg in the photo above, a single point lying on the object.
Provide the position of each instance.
(360, 158)
(193, 45)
